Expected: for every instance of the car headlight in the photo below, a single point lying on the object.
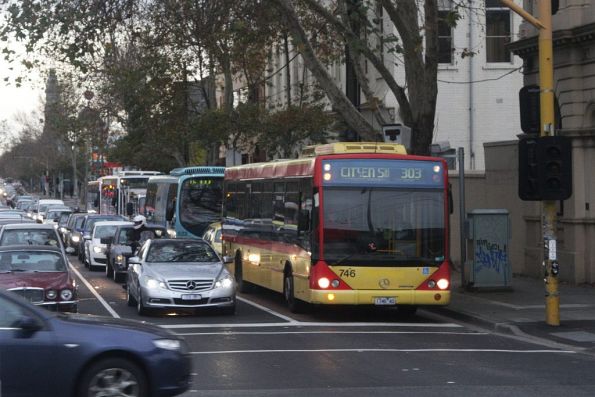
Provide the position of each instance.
(153, 283)
(224, 281)
(66, 294)
(120, 258)
(97, 250)
(63, 229)
(171, 233)
(76, 239)
(168, 344)
(51, 294)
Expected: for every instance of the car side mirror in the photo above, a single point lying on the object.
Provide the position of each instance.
(86, 236)
(69, 250)
(106, 240)
(134, 260)
(28, 324)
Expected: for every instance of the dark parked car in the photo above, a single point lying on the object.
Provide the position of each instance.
(73, 234)
(119, 248)
(56, 355)
(39, 274)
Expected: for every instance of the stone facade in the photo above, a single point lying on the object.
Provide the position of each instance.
(574, 82)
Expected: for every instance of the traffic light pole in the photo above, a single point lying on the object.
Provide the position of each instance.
(546, 84)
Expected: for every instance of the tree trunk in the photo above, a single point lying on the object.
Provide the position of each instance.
(339, 100)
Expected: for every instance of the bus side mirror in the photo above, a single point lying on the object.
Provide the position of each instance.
(304, 220)
(129, 209)
(170, 213)
(450, 200)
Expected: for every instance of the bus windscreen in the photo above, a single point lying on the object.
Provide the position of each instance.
(200, 203)
(380, 226)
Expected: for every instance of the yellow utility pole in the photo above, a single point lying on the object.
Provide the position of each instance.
(546, 97)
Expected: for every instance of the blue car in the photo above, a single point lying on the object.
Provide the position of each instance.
(52, 354)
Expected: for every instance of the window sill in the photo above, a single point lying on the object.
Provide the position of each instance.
(499, 66)
(447, 66)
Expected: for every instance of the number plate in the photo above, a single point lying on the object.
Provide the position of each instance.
(190, 297)
(385, 300)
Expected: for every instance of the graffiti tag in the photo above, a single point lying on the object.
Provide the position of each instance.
(490, 256)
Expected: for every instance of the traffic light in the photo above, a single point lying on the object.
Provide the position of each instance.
(545, 168)
(555, 160)
(529, 170)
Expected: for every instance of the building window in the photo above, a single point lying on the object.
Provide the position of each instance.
(498, 33)
(445, 47)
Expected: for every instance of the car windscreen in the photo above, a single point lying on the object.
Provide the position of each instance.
(56, 214)
(181, 251)
(104, 231)
(92, 221)
(29, 237)
(31, 261)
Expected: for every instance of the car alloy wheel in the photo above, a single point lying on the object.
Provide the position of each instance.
(114, 377)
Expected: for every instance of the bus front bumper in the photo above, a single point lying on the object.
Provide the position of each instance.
(380, 297)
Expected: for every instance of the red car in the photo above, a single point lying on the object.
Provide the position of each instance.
(40, 274)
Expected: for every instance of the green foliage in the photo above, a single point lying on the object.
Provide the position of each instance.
(287, 130)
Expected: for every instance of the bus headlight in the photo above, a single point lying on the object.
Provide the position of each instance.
(324, 282)
(443, 283)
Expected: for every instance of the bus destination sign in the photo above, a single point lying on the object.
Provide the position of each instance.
(378, 172)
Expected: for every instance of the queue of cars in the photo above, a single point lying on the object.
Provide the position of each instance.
(108, 356)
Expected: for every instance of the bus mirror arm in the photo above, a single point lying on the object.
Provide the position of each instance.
(304, 220)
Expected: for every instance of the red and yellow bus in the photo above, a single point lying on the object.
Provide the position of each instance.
(352, 223)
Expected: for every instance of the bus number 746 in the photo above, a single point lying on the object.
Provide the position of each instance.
(345, 273)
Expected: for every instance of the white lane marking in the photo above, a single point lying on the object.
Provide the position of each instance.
(330, 332)
(266, 309)
(296, 323)
(92, 289)
(385, 351)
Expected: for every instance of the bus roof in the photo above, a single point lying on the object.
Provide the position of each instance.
(137, 173)
(305, 166)
(353, 148)
(198, 170)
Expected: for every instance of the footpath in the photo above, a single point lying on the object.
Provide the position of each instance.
(521, 311)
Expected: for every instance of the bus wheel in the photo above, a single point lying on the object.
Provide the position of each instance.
(295, 305)
(243, 286)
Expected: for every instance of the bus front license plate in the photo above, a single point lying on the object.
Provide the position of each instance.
(190, 297)
(385, 300)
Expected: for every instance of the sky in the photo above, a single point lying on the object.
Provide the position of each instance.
(15, 100)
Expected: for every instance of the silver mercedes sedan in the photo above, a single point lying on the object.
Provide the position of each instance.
(179, 274)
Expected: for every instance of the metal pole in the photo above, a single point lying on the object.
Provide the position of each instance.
(549, 221)
(463, 246)
(546, 98)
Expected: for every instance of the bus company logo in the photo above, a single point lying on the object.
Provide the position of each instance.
(384, 283)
